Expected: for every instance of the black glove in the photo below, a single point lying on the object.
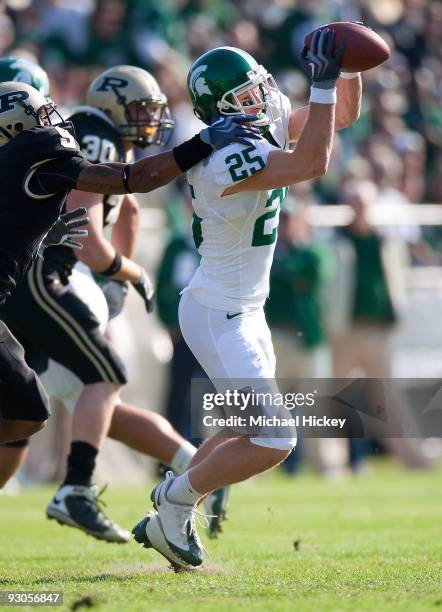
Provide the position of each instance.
(320, 63)
(145, 288)
(115, 292)
(63, 230)
(227, 129)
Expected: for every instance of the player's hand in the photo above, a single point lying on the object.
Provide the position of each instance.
(115, 292)
(145, 288)
(64, 230)
(320, 63)
(225, 130)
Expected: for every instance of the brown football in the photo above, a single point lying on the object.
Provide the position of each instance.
(365, 49)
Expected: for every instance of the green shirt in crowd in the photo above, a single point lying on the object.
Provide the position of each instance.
(295, 281)
(180, 260)
(372, 302)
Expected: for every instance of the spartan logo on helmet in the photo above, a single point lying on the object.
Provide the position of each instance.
(219, 79)
(10, 99)
(110, 83)
(198, 83)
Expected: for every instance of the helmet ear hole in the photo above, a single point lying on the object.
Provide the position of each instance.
(18, 127)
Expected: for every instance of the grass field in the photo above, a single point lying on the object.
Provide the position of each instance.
(363, 544)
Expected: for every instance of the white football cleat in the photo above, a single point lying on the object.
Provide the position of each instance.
(177, 522)
(149, 533)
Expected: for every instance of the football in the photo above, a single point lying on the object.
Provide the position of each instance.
(365, 49)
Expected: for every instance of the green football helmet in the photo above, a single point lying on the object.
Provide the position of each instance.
(217, 79)
(23, 71)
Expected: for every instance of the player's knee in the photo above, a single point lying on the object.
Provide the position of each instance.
(274, 450)
(115, 387)
(105, 388)
(101, 393)
(282, 455)
(276, 456)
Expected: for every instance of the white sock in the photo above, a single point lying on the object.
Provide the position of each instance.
(182, 458)
(182, 492)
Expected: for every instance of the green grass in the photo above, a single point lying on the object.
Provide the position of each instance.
(364, 544)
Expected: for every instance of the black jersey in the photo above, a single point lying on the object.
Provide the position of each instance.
(38, 169)
(99, 143)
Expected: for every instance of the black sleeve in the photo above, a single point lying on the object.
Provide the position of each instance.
(58, 175)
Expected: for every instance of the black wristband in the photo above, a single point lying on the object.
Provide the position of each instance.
(114, 267)
(191, 152)
(126, 171)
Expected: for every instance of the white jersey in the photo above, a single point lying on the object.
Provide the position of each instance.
(236, 234)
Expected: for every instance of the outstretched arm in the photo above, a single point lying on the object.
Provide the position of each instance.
(158, 170)
(311, 156)
(307, 161)
(348, 105)
(347, 111)
(145, 175)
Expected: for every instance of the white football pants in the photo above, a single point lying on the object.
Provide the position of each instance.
(234, 348)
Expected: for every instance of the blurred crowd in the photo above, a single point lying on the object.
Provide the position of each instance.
(396, 141)
(391, 157)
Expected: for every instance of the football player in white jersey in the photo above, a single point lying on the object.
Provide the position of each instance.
(126, 108)
(237, 193)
